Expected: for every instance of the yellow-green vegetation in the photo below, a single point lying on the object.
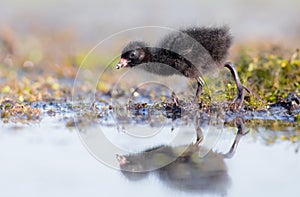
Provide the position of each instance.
(271, 72)
(18, 111)
(41, 68)
(45, 88)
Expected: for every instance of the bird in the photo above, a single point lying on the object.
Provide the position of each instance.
(192, 52)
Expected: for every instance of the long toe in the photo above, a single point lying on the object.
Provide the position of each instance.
(239, 99)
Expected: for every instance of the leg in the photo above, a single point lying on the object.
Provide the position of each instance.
(198, 130)
(175, 99)
(240, 133)
(199, 90)
(238, 101)
(199, 136)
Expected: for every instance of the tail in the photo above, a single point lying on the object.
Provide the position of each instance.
(216, 40)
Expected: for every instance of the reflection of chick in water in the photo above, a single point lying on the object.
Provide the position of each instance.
(187, 171)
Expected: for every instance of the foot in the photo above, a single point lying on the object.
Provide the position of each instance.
(238, 100)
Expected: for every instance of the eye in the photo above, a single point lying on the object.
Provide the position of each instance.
(132, 54)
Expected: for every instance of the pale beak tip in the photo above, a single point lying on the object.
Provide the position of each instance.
(123, 63)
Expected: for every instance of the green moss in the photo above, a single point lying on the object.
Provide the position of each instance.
(269, 75)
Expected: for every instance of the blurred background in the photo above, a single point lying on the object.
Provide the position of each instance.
(93, 20)
(61, 32)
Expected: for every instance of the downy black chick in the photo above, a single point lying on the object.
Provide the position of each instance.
(192, 52)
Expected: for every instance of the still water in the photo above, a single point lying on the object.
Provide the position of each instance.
(48, 159)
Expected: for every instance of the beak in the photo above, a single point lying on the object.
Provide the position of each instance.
(121, 159)
(123, 63)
